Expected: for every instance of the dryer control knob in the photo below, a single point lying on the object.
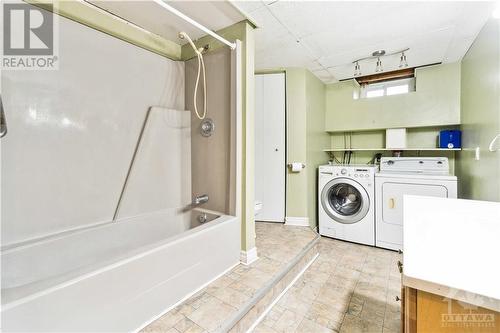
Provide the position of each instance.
(343, 171)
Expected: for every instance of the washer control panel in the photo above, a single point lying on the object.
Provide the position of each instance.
(359, 172)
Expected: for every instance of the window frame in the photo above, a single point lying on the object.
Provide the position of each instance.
(365, 89)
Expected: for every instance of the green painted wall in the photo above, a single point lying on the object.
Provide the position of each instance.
(306, 138)
(316, 140)
(480, 180)
(296, 131)
(435, 102)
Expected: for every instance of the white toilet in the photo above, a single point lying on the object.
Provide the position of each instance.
(258, 207)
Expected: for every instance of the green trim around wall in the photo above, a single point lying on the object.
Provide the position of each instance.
(101, 20)
(270, 71)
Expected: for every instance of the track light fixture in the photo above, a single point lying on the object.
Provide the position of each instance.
(378, 55)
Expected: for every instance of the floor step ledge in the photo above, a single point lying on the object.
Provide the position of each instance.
(257, 307)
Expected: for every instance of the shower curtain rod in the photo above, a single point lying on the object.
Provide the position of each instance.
(194, 23)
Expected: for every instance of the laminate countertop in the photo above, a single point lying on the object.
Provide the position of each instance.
(452, 249)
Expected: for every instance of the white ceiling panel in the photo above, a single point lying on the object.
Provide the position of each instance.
(326, 36)
(149, 15)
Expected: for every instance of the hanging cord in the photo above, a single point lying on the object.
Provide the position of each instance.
(201, 67)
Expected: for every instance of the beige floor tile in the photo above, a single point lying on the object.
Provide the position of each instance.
(243, 288)
(391, 330)
(231, 296)
(355, 306)
(273, 315)
(354, 324)
(350, 292)
(195, 329)
(349, 288)
(346, 272)
(199, 299)
(184, 324)
(263, 328)
(288, 322)
(255, 278)
(221, 282)
(325, 315)
(294, 301)
(336, 298)
(211, 314)
(164, 323)
(268, 265)
(309, 290)
(309, 326)
(185, 309)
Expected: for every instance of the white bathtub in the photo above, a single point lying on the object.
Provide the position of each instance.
(116, 277)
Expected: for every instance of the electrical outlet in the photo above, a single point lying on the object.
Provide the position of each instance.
(477, 156)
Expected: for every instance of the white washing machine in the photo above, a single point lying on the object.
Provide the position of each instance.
(399, 176)
(346, 202)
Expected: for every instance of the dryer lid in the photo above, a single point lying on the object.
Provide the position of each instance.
(417, 165)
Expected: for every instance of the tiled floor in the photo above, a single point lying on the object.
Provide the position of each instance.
(349, 288)
(208, 309)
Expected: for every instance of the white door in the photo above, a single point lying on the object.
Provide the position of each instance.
(270, 165)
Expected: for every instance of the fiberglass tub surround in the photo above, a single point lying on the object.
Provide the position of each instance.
(99, 232)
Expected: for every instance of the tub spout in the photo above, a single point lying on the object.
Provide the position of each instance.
(200, 199)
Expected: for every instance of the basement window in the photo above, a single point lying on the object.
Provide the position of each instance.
(386, 84)
(388, 88)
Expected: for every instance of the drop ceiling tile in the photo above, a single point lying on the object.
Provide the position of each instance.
(438, 40)
(458, 48)
(248, 6)
(332, 34)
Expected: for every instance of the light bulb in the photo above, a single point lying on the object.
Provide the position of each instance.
(379, 66)
(357, 69)
(403, 62)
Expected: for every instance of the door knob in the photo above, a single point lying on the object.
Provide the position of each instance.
(398, 299)
(276, 149)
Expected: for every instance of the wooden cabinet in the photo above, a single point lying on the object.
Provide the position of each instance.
(424, 312)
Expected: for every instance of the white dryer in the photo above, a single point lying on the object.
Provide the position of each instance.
(399, 176)
(346, 205)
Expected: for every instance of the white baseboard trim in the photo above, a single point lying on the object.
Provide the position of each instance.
(248, 257)
(276, 300)
(297, 221)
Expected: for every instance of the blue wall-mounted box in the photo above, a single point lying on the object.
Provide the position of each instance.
(450, 139)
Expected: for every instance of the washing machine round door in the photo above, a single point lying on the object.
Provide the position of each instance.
(345, 200)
